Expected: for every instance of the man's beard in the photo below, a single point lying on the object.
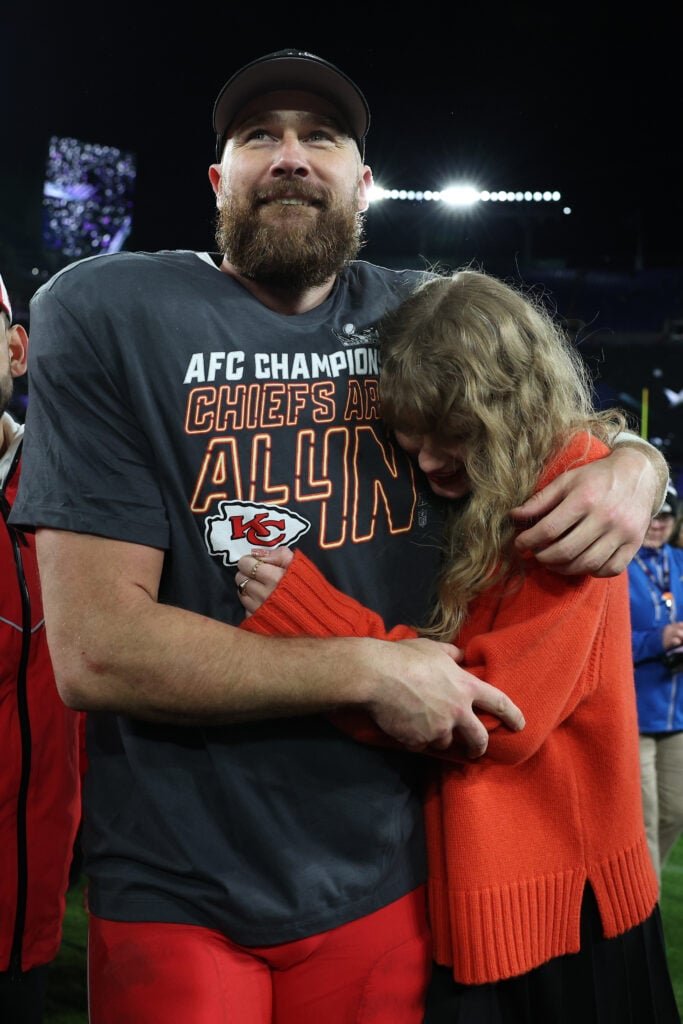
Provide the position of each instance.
(6, 391)
(291, 250)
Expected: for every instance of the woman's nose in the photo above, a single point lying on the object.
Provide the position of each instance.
(429, 459)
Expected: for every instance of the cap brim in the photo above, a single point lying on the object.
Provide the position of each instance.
(5, 305)
(292, 72)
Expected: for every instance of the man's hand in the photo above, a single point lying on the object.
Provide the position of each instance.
(594, 518)
(422, 698)
(414, 690)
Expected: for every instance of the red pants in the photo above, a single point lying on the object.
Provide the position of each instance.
(371, 971)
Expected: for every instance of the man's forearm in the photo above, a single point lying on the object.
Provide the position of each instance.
(161, 663)
(627, 439)
(116, 648)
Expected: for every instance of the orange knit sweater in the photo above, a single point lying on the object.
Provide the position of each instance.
(514, 836)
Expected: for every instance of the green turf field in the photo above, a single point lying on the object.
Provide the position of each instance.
(672, 913)
(67, 993)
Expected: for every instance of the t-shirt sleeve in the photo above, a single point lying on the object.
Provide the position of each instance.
(86, 465)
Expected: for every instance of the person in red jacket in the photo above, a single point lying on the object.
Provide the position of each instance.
(542, 895)
(39, 741)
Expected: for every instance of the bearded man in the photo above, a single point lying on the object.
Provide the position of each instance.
(246, 860)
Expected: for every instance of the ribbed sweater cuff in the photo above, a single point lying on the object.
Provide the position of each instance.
(305, 604)
(631, 876)
(504, 931)
(302, 604)
(507, 930)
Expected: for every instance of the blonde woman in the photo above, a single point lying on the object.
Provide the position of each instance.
(542, 895)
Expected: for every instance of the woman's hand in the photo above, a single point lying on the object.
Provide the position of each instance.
(672, 635)
(258, 575)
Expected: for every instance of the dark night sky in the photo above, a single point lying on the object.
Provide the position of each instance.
(586, 100)
(535, 96)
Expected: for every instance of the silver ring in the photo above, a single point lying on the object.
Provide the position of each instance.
(241, 586)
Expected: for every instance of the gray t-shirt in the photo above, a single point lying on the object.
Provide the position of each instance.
(169, 408)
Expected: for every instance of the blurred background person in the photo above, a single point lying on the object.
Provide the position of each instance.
(676, 539)
(39, 782)
(656, 596)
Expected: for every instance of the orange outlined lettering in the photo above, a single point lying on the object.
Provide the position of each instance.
(199, 414)
(233, 407)
(380, 484)
(353, 473)
(260, 486)
(362, 400)
(324, 405)
(219, 475)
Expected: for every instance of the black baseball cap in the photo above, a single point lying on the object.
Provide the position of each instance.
(4, 300)
(670, 506)
(291, 69)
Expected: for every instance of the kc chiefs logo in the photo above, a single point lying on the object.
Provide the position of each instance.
(242, 525)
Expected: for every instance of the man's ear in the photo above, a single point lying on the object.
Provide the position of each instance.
(364, 187)
(215, 178)
(18, 350)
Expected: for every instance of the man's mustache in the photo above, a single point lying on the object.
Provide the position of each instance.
(288, 190)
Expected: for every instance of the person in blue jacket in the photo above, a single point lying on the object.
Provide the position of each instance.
(656, 594)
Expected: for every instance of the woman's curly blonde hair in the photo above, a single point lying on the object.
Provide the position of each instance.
(468, 358)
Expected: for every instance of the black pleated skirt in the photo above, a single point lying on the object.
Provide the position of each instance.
(610, 981)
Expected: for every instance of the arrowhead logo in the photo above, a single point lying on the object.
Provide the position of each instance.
(241, 526)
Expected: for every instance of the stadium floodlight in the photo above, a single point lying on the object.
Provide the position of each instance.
(375, 193)
(462, 196)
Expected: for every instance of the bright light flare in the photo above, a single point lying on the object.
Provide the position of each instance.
(376, 192)
(460, 195)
